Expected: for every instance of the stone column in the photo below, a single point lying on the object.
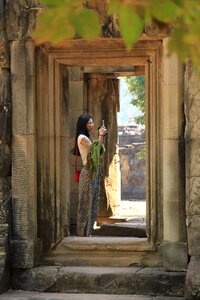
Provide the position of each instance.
(174, 246)
(192, 136)
(5, 151)
(20, 22)
(75, 109)
(24, 189)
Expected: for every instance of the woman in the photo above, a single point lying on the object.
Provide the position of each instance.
(90, 174)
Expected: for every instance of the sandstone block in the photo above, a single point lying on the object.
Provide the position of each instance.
(192, 112)
(193, 158)
(193, 226)
(23, 121)
(76, 96)
(20, 19)
(75, 73)
(173, 111)
(193, 279)
(23, 56)
(5, 106)
(102, 280)
(2, 15)
(5, 160)
(173, 68)
(25, 253)
(193, 196)
(192, 81)
(175, 256)
(4, 49)
(4, 274)
(5, 189)
(5, 212)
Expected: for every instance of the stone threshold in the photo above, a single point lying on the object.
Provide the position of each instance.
(105, 243)
(101, 280)
(103, 251)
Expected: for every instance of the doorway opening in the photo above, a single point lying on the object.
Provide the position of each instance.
(128, 206)
(132, 149)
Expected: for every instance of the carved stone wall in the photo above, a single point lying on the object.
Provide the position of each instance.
(5, 151)
(192, 136)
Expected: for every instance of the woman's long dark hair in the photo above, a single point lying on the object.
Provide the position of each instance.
(81, 129)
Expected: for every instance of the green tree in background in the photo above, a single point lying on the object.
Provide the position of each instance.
(69, 18)
(136, 89)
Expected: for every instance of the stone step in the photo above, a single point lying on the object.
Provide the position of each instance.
(103, 251)
(126, 229)
(24, 295)
(101, 280)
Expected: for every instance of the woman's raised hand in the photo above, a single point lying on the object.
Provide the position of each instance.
(103, 131)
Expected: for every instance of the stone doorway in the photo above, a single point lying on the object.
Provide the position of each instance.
(70, 82)
(47, 163)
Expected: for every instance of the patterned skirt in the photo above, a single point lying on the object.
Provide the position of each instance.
(88, 202)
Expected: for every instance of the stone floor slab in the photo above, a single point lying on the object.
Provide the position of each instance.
(24, 295)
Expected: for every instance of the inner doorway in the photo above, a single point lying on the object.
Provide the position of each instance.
(118, 216)
(132, 151)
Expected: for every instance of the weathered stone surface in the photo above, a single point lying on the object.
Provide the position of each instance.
(193, 235)
(24, 253)
(4, 274)
(4, 49)
(193, 279)
(22, 63)
(5, 106)
(173, 70)
(133, 171)
(192, 80)
(173, 122)
(2, 14)
(193, 196)
(24, 295)
(175, 256)
(21, 18)
(156, 281)
(5, 212)
(192, 112)
(5, 160)
(193, 158)
(100, 280)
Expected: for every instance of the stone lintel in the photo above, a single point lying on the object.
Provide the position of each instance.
(175, 256)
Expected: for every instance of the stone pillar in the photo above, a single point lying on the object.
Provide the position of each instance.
(5, 152)
(75, 109)
(24, 191)
(192, 136)
(20, 22)
(174, 246)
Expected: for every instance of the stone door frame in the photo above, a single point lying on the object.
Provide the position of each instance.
(102, 52)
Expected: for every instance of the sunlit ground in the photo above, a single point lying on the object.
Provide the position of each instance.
(132, 209)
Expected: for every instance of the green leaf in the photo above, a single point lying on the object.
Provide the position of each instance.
(54, 25)
(131, 25)
(114, 6)
(166, 11)
(86, 23)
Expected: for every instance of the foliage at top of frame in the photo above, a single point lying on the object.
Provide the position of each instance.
(68, 19)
